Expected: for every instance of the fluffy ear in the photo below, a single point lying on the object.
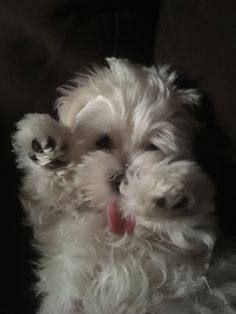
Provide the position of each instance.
(95, 109)
(70, 103)
(167, 75)
(84, 89)
(188, 96)
(115, 64)
(72, 107)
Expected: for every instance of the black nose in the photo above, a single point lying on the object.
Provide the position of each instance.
(116, 180)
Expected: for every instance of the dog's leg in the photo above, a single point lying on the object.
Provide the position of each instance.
(45, 151)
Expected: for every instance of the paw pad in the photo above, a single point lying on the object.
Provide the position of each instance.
(36, 146)
(50, 143)
(46, 153)
(178, 202)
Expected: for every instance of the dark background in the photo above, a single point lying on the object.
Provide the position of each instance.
(44, 43)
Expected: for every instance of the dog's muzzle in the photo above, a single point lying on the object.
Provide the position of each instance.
(115, 181)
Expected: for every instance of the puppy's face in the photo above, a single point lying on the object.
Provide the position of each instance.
(125, 118)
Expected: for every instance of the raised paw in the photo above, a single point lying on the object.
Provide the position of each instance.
(174, 198)
(179, 201)
(167, 190)
(44, 140)
(46, 153)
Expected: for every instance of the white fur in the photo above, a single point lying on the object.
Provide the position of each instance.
(163, 266)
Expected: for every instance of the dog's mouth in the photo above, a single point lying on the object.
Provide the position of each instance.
(118, 223)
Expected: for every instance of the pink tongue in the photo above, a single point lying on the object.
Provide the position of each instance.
(117, 222)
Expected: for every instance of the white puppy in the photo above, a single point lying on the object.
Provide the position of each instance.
(122, 215)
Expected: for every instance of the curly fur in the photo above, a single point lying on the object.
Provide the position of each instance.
(165, 265)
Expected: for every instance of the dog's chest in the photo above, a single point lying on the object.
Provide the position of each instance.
(133, 269)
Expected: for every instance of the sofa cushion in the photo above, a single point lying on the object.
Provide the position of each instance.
(198, 38)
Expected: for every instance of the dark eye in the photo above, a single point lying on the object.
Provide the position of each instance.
(104, 142)
(151, 146)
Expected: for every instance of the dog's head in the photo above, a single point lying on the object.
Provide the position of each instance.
(125, 117)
